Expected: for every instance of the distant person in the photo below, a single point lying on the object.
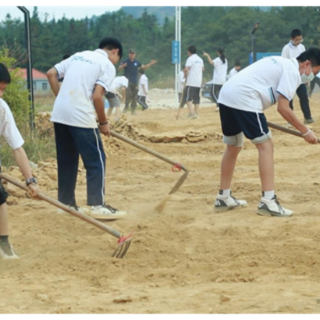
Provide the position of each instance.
(242, 102)
(113, 95)
(143, 90)
(220, 69)
(10, 132)
(181, 83)
(292, 50)
(313, 83)
(194, 70)
(131, 67)
(235, 69)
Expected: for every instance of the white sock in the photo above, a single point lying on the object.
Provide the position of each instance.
(268, 194)
(225, 193)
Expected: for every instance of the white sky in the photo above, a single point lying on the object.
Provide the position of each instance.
(58, 11)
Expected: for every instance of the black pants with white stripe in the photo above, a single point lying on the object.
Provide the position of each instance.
(304, 101)
(142, 102)
(215, 91)
(86, 142)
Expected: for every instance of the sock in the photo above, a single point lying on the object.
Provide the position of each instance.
(268, 194)
(4, 238)
(225, 193)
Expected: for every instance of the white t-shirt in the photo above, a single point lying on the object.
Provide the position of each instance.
(8, 128)
(82, 71)
(290, 51)
(318, 75)
(220, 70)
(181, 81)
(118, 83)
(195, 63)
(232, 73)
(257, 87)
(143, 81)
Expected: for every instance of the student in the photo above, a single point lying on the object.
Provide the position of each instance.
(313, 83)
(242, 101)
(194, 69)
(88, 75)
(220, 69)
(130, 67)
(119, 83)
(292, 50)
(10, 132)
(235, 69)
(181, 83)
(143, 90)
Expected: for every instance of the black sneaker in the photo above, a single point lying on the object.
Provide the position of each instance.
(6, 251)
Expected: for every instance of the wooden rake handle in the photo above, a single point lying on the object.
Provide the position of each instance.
(287, 130)
(60, 205)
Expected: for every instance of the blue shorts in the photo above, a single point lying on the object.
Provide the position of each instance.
(252, 124)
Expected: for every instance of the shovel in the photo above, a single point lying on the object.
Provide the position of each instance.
(176, 166)
(123, 242)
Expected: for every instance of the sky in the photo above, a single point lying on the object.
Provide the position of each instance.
(58, 11)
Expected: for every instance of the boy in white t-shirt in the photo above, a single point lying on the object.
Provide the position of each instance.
(220, 69)
(143, 90)
(10, 132)
(194, 70)
(119, 83)
(242, 102)
(235, 69)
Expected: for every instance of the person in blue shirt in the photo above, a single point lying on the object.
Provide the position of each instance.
(131, 68)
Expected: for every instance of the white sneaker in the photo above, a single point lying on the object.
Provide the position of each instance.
(106, 212)
(272, 208)
(223, 204)
(75, 207)
(6, 251)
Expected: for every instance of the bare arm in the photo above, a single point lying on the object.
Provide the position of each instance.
(208, 57)
(52, 76)
(151, 63)
(123, 65)
(98, 102)
(288, 114)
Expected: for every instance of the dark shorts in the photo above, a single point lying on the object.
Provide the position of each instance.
(193, 94)
(3, 194)
(252, 124)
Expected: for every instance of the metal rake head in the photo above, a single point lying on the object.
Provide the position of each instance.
(123, 246)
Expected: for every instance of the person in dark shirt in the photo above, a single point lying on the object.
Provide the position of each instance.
(131, 67)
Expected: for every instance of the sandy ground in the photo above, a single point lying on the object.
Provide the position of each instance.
(187, 258)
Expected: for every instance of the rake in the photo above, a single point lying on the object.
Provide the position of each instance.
(176, 166)
(123, 242)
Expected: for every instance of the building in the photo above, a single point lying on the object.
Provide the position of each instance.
(40, 81)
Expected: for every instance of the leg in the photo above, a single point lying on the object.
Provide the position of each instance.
(266, 166)
(134, 99)
(128, 98)
(142, 102)
(90, 147)
(304, 101)
(228, 164)
(68, 161)
(118, 113)
(109, 113)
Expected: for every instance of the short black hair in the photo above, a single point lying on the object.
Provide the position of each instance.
(4, 74)
(237, 63)
(192, 49)
(110, 44)
(66, 56)
(141, 70)
(295, 33)
(312, 54)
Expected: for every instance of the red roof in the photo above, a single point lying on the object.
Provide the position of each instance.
(36, 75)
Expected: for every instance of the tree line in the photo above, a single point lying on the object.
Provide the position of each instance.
(205, 27)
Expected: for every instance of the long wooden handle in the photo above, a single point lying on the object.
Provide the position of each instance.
(287, 130)
(60, 205)
(143, 148)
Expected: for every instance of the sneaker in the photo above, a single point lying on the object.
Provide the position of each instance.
(133, 113)
(272, 208)
(223, 204)
(106, 212)
(192, 116)
(308, 121)
(75, 207)
(143, 108)
(6, 251)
